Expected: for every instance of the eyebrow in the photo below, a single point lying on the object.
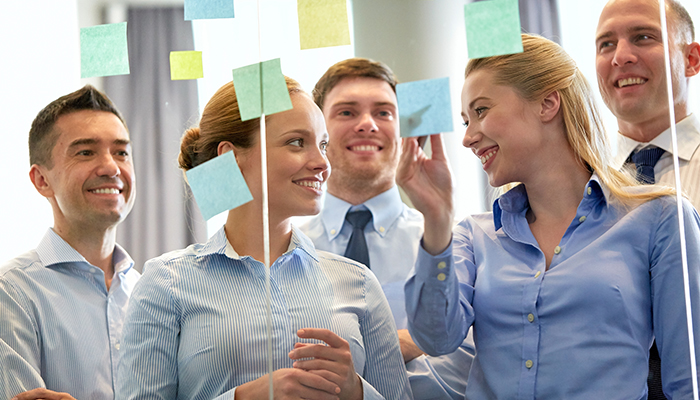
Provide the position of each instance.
(634, 29)
(471, 105)
(355, 103)
(89, 141)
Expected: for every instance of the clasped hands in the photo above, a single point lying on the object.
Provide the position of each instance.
(323, 371)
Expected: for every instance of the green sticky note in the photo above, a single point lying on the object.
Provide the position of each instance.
(186, 65)
(275, 96)
(493, 28)
(323, 23)
(424, 107)
(103, 50)
(218, 185)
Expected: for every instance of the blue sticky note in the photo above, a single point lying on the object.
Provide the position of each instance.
(424, 107)
(218, 185)
(104, 50)
(208, 9)
(275, 96)
(493, 28)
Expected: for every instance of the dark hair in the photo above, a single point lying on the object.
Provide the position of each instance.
(682, 20)
(221, 122)
(42, 136)
(352, 68)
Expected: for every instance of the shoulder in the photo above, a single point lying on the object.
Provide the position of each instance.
(24, 262)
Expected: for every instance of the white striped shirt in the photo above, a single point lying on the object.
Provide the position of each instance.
(688, 131)
(59, 326)
(196, 326)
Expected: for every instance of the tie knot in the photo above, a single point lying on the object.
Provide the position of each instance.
(647, 156)
(358, 219)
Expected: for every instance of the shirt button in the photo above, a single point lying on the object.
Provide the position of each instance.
(441, 265)
(583, 218)
(589, 190)
(530, 318)
(332, 231)
(116, 346)
(538, 274)
(529, 364)
(441, 277)
(557, 250)
(381, 229)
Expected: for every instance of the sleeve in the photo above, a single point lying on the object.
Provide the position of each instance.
(668, 297)
(442, 377)
(20, 345)
(439, 292)
(385, 374)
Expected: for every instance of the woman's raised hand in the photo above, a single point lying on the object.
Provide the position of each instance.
(428, 183)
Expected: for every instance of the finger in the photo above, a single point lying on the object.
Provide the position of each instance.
(324, 335)
(41, 393)
(437, 147)
(323, 352)
(315, 385)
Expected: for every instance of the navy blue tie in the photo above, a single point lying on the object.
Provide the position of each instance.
(644, 161)
(357, 245)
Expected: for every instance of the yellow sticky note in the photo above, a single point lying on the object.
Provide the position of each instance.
(186, 65)
(323, 23)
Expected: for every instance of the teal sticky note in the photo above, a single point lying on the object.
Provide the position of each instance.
(424, 107)
(493, 28)
(218, 185)
(208, 9)
(275, 96)
(186, 65)
(104, 50)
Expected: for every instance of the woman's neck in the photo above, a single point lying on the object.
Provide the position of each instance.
(244, 231)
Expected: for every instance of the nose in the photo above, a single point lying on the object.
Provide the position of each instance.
(108, 166)
(624, 53)
(471, 138)
(366, 124)
(318, 161)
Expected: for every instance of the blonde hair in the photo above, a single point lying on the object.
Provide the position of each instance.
(221, 122)
(544, 67)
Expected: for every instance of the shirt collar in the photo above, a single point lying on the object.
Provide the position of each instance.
(515, 201)
(687, 130)
(385, 208)
(54, 250)
(219, 244)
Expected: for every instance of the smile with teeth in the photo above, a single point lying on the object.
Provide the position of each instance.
(630, 81)
(364, 147)
(487, 156)
(312, 184)
(106, 191)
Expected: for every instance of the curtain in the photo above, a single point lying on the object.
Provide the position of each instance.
(157, 111)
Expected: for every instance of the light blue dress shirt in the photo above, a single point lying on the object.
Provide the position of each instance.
(196, 325)
(579, 330)
(393, 239)
(59, 326)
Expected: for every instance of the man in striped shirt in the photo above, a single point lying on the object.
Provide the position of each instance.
(62, 304)
(632, 80)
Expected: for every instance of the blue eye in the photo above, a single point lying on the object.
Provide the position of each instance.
(465, 124)
(323, 146)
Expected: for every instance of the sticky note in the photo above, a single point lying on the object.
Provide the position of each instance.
(424, 107)
(323, 23)
(275, 96)
(493, 28)
(218, 185)
(208, 9)
(104, 50)
(186, 65)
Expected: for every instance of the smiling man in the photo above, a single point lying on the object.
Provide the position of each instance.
(363, 216)
(632, 81)
(63, 303)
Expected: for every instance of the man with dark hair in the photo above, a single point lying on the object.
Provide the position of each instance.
(632, 80)
(363, 216)
(63, 303)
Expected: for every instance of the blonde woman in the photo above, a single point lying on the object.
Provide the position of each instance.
(196, 325)
(576, 270)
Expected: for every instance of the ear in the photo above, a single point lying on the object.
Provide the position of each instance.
(223, 147)
(38, 176)
(549, 106)
(692, 59)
